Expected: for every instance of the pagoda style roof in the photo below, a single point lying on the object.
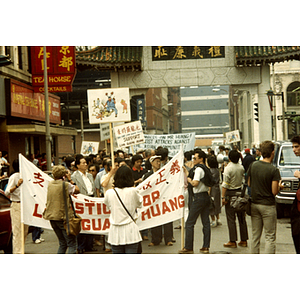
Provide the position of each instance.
(129, 58)
(111, 58)
(261, 55)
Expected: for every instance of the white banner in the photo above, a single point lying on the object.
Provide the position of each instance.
(88, 148)
(129, 134)
(171, 141)
(163, 199)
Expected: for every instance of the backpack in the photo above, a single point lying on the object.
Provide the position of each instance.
(208, 179)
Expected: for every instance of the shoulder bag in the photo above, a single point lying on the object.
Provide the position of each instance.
(240, 201)
(72, 225)
(140, 243)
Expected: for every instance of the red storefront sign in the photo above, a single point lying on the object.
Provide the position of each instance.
(25, 103)
(60, 68)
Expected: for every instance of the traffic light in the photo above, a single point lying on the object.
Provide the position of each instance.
(4, 60)
(256, 112)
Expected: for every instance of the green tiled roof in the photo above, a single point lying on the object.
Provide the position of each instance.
(111, 57)
(258, 55)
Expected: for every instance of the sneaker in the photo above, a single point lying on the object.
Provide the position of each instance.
(41, 239)
(37, 241)
(204, 250)
(213, 224)
(169, 244)
(185, 251)
(219, 222)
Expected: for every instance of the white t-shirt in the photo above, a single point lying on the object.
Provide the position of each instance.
(201, 187)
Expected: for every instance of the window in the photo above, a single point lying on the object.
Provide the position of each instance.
(20, 58)
(293, 94)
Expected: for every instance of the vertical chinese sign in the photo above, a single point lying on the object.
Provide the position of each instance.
(61, 68)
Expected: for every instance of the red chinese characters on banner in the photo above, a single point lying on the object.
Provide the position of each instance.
(25, 103)
(61, 68)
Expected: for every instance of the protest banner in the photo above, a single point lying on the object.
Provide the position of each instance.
(233, 136)
(129, 134)
(170, 141)
(162, 193)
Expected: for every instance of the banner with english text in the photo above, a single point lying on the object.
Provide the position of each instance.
(162, 193)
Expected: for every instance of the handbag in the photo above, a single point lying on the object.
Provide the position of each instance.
(139, 251)
(72, 225)
(240, 201)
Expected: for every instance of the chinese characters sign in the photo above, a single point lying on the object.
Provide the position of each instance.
(141, 111)
(187, 52)
(25, 103)
(129, 134)
(60, 68)
(109, 105)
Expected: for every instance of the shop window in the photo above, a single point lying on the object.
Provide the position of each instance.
(293, 94)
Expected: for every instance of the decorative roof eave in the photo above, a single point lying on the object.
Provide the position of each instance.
(111, 58)
(261, 55)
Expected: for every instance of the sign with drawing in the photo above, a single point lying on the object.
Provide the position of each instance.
(88, 148)
(109, 105)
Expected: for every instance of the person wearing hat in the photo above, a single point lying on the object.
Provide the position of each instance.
(156, 232)
(248, 159)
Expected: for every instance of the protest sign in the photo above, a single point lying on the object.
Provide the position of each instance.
(162, 193)
(170, 141)
(104, 132)
(108, 105)
(88, 148)
(129, 134)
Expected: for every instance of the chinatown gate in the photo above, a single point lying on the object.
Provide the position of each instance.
(245, 69)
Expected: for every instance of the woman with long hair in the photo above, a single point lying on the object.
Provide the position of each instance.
(124, 234)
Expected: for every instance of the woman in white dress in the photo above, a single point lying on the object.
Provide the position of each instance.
(124, 234)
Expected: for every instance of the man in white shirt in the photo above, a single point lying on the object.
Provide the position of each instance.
(85, 183)
(200, 206)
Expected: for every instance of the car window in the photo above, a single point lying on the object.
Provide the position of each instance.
(4, 202)
(288, 158)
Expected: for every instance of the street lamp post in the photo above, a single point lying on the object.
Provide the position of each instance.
(270, 95)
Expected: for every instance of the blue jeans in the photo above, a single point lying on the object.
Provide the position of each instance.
(65, 241)
(36, 233)
(125, 249)
(200, 206)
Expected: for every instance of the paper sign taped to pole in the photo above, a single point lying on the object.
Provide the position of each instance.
(129, 134)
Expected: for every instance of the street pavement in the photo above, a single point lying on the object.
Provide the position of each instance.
(219, 236)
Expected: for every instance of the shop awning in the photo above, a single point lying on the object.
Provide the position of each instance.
(40, 129)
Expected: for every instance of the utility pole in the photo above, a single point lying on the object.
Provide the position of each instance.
(47, 121)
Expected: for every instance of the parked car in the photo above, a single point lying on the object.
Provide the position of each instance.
(287, 163)
(5, 224)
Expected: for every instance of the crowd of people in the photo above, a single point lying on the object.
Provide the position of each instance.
(98, 176)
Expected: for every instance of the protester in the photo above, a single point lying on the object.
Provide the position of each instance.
(200, 206)
(247, 161)
(265, 183)
(295, 211)
(99, 188)
(258, 154)
(55, 208)
(93, 169)
(124, 235)
(137, 169)
(13, 191)
(85, 183)
(232, 183)
(146, 163)
(6, 164)
(215, 191)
